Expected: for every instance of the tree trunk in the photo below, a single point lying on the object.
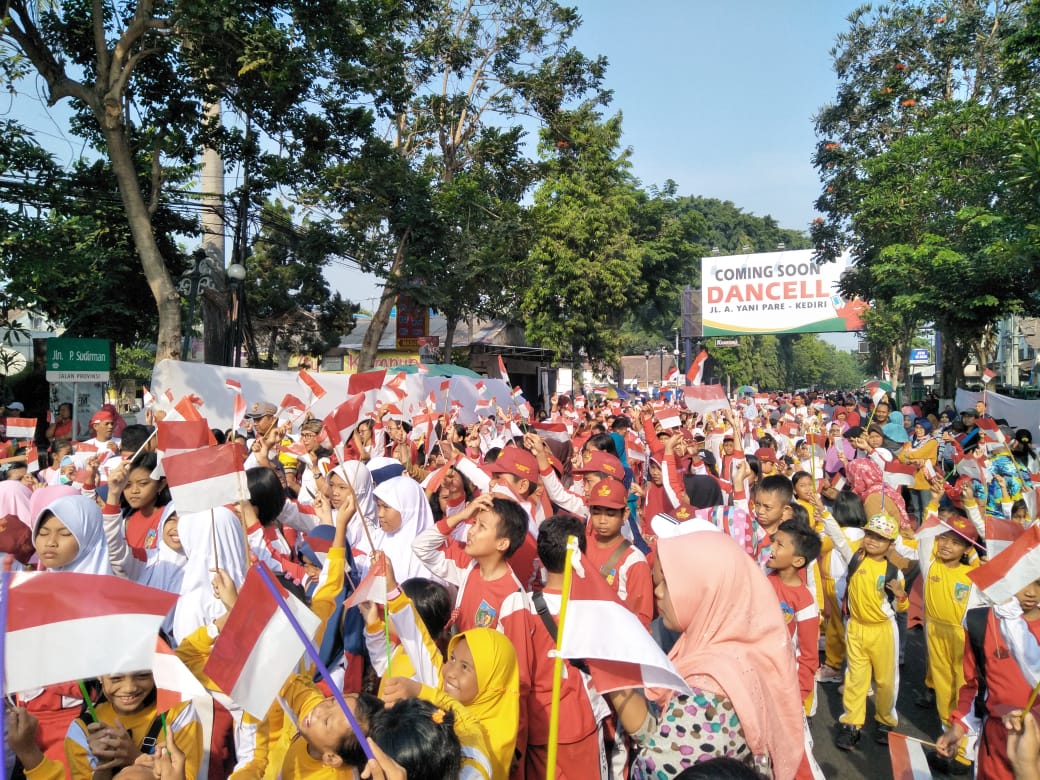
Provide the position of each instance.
(167, 301)
(451, 326)
(370, 344)
(952, 367)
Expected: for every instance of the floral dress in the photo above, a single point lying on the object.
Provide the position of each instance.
(692, 728)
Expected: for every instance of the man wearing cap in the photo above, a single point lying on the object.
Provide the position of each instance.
(261, 417)
(1021, 446)
(969, 441)
(549, 469)
(622, 565)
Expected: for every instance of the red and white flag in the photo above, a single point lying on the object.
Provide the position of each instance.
(340, 424)
(909, 761)
(233, 385)
(878, 395)
(555, 431)
(112, 624)
(628, 657)
(310, 384)
(365, 381)
(147, 399)
(695, 376)
(395, 387)
(669, 418)
(502, 373)
(292, 403)
(187, 408)
(789, 429)
(258, 649)
(838, 482)
(480, 387)
(1000, 534)
(32, 456)
(180, 436)
(238, 412)
(21, 427)
(988, 375)
(636, 450)
(705, 398)
(203, 479)
(174, 682)
(372, 586)
(972, 466)
(1004, 575)
(483, 404)
(671, 375)
(518, 392)
(900, 474)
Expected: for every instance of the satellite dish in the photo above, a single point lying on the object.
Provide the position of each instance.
(11, 362)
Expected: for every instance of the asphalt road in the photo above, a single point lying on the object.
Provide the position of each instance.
(870, 760)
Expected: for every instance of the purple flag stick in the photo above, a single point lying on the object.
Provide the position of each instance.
(312, 651)
(5, 587)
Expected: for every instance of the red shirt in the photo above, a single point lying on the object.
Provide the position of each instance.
(142, 531)
(630, 578)
(802, 617)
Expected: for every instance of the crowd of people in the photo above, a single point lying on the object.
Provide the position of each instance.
(770, 545)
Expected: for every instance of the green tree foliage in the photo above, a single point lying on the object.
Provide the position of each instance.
(309, 76)
(473, 71)
(585, 264)
(767, 363)
(285, 283)
(913, 158)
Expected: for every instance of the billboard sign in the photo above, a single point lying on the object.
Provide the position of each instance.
(920, 356)
(775, 292)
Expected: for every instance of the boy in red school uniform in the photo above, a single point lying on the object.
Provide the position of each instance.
(490, 594)
(580, 751)
(622, 565)
(794, 547)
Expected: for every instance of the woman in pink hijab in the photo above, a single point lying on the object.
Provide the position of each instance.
(734, 652)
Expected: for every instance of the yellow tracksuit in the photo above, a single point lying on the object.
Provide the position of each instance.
(834, 627)
(872, 645)
(946, 592)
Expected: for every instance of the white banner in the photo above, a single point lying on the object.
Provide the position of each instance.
(775, 292)
(1018, 412)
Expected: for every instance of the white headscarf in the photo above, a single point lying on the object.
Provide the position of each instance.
(82, 517)
(197, 604)
(357, 475)
(406, 496)
(165, 567)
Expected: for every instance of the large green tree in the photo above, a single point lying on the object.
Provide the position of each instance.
(913, 153)
(476, 72)
(137, 74)
(586, 264)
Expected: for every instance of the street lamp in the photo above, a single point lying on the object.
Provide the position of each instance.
(198, 276)
(646, 357)
(236, 274)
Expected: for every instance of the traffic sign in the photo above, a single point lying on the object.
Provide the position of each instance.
(920, 356)
(78, 360)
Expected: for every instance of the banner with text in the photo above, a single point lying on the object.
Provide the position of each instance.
(775, 292)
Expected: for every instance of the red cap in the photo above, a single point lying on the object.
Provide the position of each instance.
(597, 460)
(518, 462)
(609, 493)
(963, 527)
(768, 454)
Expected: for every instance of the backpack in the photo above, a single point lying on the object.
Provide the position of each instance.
(891, 572)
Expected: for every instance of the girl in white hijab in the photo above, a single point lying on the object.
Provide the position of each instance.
(404, 513)
(69, 535)
(162, 567)
(354, 474)
(198, 533)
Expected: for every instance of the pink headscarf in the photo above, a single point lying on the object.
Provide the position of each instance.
(734, 642)
(14, 500)
(865, 478)
(44, 496)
